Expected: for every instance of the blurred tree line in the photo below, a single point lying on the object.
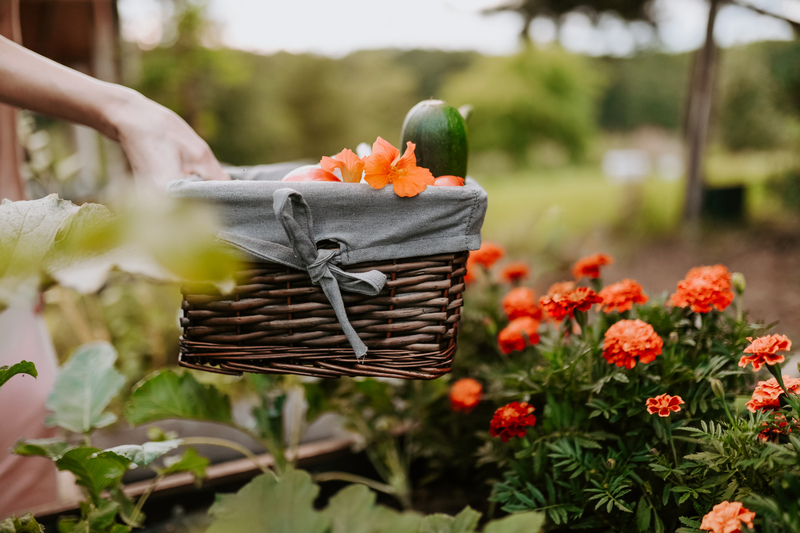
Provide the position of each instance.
(265, 108)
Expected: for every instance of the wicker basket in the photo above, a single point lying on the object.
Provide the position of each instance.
(277, 321)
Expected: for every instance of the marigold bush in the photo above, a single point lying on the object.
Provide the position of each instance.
(637, 426)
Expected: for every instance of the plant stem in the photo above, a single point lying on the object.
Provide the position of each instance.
(225, 443)
(134, 518)
(354, 478)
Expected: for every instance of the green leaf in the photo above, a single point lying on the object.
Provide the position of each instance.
(190, 461)
(351, 510)
(23, 524)
(52, 448)
(84, 387)
(166, 394)
(23, 367)
(269, 504)
(464, 522)
(529, 522)
(95, 470)
(144, 454)
(643, 515)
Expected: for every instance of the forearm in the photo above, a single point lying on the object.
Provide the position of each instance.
(30, 81)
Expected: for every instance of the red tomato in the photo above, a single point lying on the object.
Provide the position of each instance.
(448, 181)
(310, 173)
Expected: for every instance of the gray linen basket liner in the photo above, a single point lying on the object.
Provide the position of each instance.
(283, 222)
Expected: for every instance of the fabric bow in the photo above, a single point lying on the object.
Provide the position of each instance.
(292, 211)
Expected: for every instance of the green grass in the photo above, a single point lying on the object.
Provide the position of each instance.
(537, 210)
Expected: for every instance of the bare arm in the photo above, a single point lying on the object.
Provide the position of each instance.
(158, 143)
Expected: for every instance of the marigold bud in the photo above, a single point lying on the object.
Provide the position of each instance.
(738, 283)
(717, 388)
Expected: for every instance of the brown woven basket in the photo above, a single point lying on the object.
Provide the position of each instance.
(276, 321)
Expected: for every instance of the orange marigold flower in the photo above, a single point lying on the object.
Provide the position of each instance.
(386, 165)
(560, 305)
(727, 517)
(512, 420)
(521, 302)
(516, 335)
(628, 339)
(589, 267)
(703, 288)
(767, 393)
(345, 165)
(465, 394)
(763, 350)
(515, 272)
(664, 404)
(487, 254)
(777, 427)
(622, 296)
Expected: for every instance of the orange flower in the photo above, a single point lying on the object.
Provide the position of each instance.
(512, 420)
(764, 349)
(589, 267)
(513, 272)
(767, 393)
(563, 302)
(516, 335)
(703, 288)
(465, 394)
(487, 254)
(621, 296)
(778, 426)
(349, 166)
(386, 165)
(628, 339)
(664, 404)
(521, 302)
(727, 517)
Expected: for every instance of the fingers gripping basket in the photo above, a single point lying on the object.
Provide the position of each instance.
(370, 285)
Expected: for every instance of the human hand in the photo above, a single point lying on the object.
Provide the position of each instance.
(160, 145)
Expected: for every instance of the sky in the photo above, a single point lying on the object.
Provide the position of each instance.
(338, 27)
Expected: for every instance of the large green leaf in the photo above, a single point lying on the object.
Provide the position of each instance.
(84, 387)
(94, 469)
(527, 522)
(51, 448)
(353, 510)
(23, 367)
(464, 522)
(144, 454)
(166, 394)
(269, 504)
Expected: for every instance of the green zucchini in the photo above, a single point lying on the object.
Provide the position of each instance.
(440, 134)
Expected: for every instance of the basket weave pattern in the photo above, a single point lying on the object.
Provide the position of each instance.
(277, 321)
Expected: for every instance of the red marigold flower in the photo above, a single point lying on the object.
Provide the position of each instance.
(516, 335)
(521, 302)
(465, 394)
(767, 393)
(515, 272)
(703, 288)
(621, 296)
(727, 517)
(763, 350)
(777, 427)
(664, 404)
(628, 339)
(512, 420)
(487, 254)
(560, 305)
(589, 267)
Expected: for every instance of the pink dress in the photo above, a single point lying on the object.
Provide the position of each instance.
(25, 482)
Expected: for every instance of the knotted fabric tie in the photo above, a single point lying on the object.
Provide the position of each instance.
(293, 213)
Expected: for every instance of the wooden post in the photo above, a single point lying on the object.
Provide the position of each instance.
(697, 123)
